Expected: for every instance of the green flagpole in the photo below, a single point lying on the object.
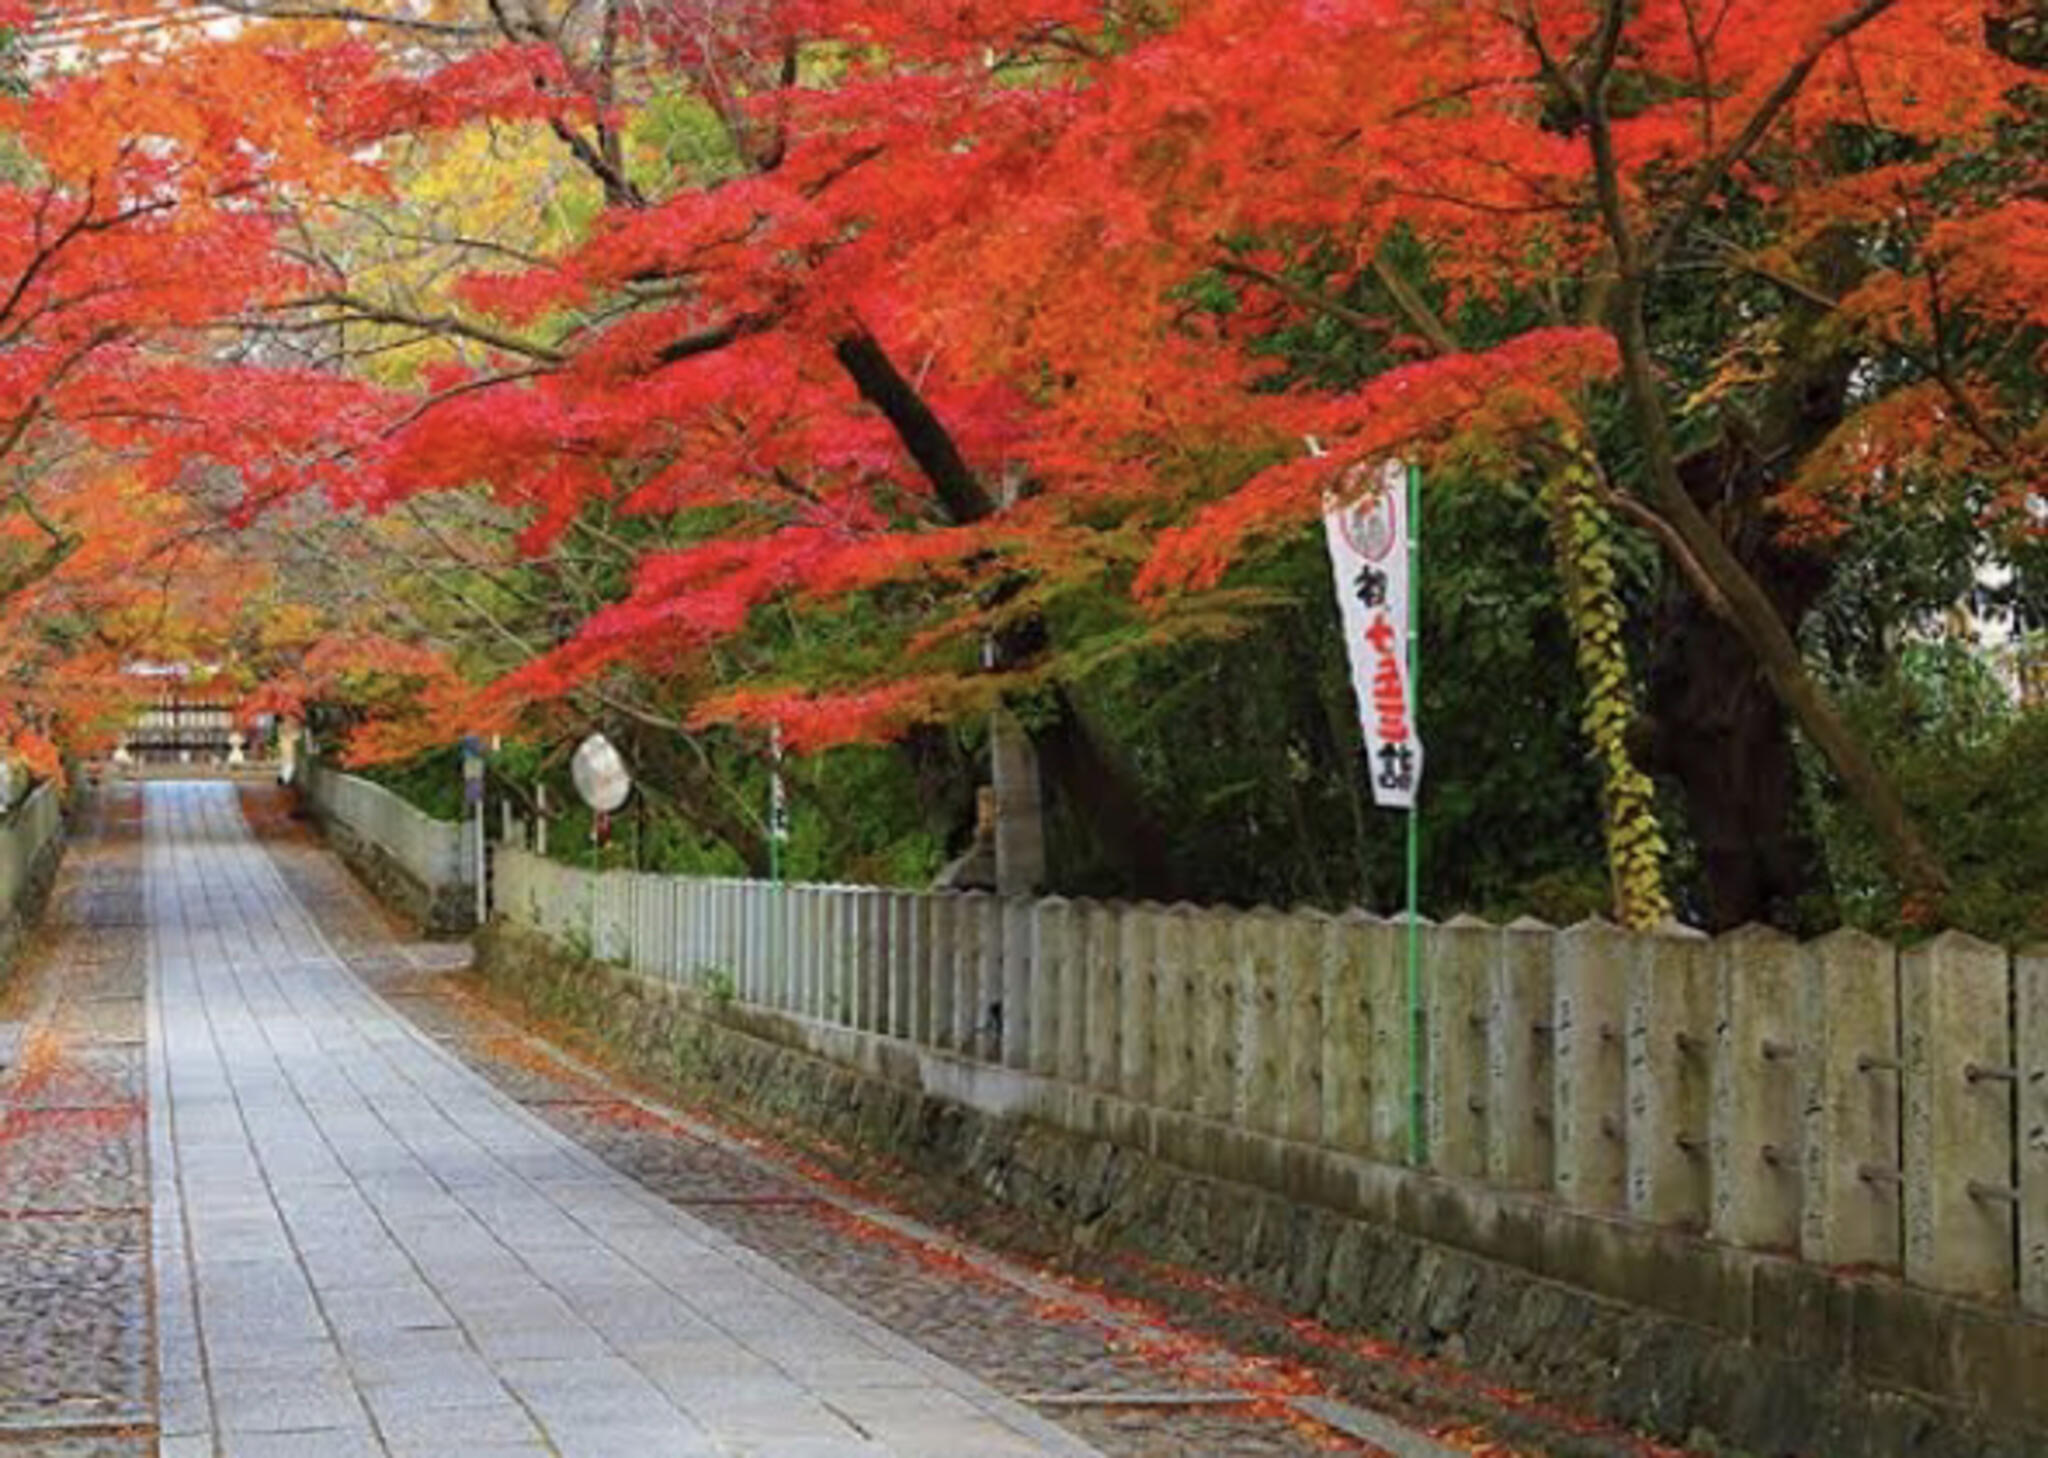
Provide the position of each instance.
(1418, 1134)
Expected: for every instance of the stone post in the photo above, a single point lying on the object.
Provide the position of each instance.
(1849, 1039)
(1212, 936)
(1174, 1003)
(1669, 1083)
(935, 1018)
(981, 1035)
(1141, 1033)
(2030, 971)
(1958, 1128)
(1460, 956)
(1020, 987)
(1259, 1103)
(895, 1016)
(1386, 1077)
(1519, 1071)
(1072, 1063)
(1756, 1130)
(1103, 1026)
(1051, 937)
(1590, 1007)
(1303, 939)
(1347, 1019)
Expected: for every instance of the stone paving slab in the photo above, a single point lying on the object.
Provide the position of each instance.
(74, 1262)
(361, 1244)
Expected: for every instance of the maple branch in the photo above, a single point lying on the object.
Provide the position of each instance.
(861, 355)
(467, 387)
(1936, 367)
(365, 311)
(1709, 178)
(348, 14)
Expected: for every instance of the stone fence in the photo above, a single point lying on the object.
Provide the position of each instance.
(1843, 1102)
(423, 866)
(30, 841)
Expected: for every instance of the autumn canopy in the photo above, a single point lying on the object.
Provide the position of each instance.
(860, 366)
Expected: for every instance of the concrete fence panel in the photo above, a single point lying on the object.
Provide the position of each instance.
(982, 1013)
(1256, 1100)
(1140, 1032)
(1459, 988)
(1757, 1129)
(1052, 938)
(2030, 1023)
(1104, 1031)
(1020, 990)
(939, 970)
(1589, 1085)
(1670, 1051)
(1346, 1082)
(1849, 1041)
(1215, 1054)
(1174, 1000)
(1389, 1031)
(1303, 938)
(1958, 1131)
(1518, 1057)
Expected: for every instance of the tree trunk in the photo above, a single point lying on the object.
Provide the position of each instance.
(1097, 788)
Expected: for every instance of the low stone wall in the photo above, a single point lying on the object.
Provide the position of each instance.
(1672, 1334)
(31, 846)
(420, 867)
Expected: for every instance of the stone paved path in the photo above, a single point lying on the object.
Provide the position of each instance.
(362, 1247)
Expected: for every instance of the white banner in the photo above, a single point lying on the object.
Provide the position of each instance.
(1366, 521)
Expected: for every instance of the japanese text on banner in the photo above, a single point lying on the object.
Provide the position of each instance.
(1366, 521)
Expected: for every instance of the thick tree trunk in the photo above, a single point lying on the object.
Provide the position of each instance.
(1099, 791)
(1718, 729)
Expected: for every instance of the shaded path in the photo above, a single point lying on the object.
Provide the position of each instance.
(362, 1247)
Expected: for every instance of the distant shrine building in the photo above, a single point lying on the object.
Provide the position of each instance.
(185, 722)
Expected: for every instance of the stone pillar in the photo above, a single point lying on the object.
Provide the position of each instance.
(1590, 1006)
(1669, 1082)
(1052, 935)
(1459, 956)
(2031, 1021)
(1958, 1124)
(1174, 1000)
(841, 935)
(981, 1035)
(1756, 1128)
(1519, 1072)
(1345, 1087)
(1212, 936)
(1303, 939)
(1259, 1102)
(1072, 1064)
(1103, 1024)
(1020, 811)
(1849, 1042)
(936, 1023)
(1138, 1015)
(1386, 1077)
(896, 1015)
(1020, 945)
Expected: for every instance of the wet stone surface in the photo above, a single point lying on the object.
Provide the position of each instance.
(1007, 1336)
(74, 1224)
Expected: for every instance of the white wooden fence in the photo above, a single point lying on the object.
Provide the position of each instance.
(1842, 1101)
